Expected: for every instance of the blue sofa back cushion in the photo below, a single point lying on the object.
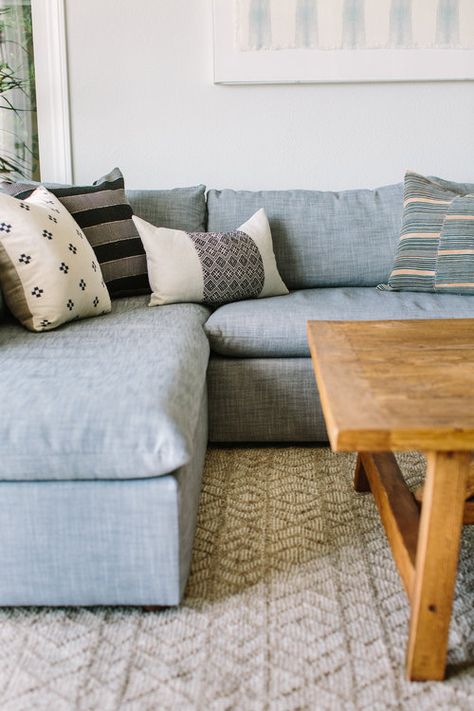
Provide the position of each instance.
(178, 208)
(328, 239)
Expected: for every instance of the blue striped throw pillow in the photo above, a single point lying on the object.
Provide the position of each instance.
(434, 210)
(455, 263)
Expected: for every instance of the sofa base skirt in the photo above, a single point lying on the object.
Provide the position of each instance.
(100, 542)
(263, 400)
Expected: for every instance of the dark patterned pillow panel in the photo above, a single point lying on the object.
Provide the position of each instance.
(105, 216)
(435, 251)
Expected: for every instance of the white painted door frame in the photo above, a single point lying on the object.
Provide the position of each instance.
(52, 93)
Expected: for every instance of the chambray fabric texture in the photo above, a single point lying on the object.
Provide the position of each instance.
(344, 238)
(264, 400)
(101, 542)
(276, 327)
(109, 398)
(179, 208)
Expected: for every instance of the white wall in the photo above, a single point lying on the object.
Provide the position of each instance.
(142, 98)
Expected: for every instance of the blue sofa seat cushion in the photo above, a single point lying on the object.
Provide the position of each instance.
(276, 327)
(110, 398)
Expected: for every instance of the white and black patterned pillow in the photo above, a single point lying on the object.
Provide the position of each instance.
(105, 215)
(49, 273)
(211, 267)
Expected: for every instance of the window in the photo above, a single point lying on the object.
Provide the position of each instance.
(19, 156)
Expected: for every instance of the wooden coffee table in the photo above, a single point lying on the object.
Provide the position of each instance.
(388, 386)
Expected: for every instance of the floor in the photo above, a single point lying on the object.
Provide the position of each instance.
(293, 603)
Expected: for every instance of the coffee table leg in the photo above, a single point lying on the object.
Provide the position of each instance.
(361, 483)
(436, 563)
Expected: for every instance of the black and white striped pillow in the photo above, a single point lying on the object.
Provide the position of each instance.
(105, 216)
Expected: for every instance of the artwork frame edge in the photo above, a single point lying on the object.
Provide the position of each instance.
(294, 66)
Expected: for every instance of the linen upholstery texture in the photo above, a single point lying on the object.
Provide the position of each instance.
(276, 327)
(264, 400)
(321, 239)
(178, 208)
(101, 542)
(110, 398)
(426, 203)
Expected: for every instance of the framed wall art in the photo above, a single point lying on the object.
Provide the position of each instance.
(288, 41)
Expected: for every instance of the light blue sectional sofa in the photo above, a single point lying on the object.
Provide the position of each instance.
(104, 423)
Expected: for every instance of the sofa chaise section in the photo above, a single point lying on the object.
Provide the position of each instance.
(103, 432)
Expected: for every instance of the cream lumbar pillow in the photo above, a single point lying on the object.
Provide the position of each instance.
(49, 273)
(211, 267)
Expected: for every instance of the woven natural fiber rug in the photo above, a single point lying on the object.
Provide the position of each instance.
(293, 603)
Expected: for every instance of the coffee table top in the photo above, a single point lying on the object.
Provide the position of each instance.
(396, 385)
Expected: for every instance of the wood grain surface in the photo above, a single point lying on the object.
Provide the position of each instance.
(396, 385)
